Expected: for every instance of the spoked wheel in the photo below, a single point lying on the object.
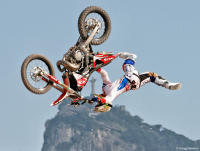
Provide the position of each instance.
(88, 18)
(31, 70)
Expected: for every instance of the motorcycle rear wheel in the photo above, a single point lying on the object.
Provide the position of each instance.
(82, 24)
(32, 82)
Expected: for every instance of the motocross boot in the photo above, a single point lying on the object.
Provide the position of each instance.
(164, 83)
(102, 105)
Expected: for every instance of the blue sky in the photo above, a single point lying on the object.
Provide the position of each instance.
(164, 34)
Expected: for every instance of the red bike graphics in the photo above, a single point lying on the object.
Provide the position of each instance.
(79, 78)
(105, 58)
(81, 82)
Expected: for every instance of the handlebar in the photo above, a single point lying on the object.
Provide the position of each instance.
(59, 64)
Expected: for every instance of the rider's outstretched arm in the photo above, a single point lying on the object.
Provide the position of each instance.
(146, 77)
(158, 80)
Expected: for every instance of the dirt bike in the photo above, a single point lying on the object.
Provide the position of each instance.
(78, 63)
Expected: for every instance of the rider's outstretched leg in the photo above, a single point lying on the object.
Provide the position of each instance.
(104, 76)
(102, 104)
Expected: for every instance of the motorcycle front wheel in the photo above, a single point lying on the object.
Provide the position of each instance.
(98, 13)
(30, 70)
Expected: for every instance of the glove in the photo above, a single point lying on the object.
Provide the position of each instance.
(126, 55)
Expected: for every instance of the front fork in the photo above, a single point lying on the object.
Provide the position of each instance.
(87, 42)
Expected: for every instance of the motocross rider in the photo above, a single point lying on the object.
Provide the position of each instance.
(132, 80)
